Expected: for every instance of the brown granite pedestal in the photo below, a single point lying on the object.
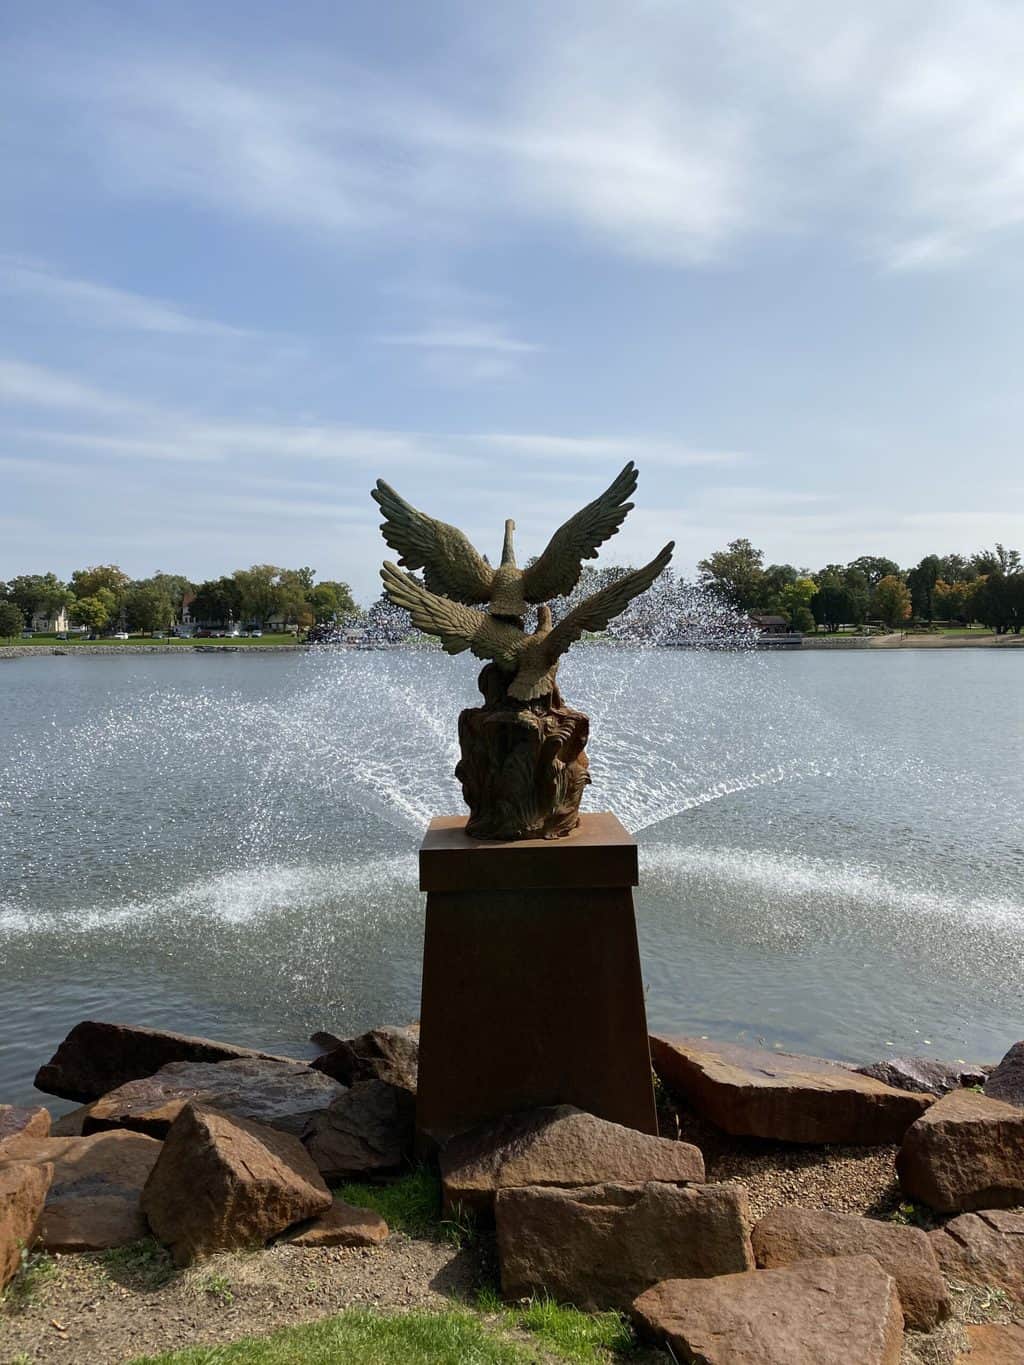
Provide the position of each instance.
(532, 993)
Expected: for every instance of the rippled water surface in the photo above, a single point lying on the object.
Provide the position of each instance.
(832, 845)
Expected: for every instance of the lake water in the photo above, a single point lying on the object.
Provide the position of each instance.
(832, 844)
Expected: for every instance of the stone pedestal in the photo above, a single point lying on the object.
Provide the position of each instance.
(532, 992)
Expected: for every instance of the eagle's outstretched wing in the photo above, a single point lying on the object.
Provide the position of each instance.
(604, 606)
(557, 571)
(448, 559)
(458, 627)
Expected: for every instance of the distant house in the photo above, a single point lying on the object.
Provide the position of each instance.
(771, 625)
(44, 624)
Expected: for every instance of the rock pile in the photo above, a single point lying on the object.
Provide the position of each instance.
(215, 1148)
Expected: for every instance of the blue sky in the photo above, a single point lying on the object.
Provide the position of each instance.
(254, 256)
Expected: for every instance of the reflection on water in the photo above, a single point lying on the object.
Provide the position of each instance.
(831, 846)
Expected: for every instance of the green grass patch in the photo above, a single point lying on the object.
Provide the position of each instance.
(361, 1337)
(411, 1204)
(584, 1338)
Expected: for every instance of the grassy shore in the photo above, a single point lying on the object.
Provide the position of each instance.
(135, 641)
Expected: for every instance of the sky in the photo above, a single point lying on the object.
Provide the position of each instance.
(255, 256)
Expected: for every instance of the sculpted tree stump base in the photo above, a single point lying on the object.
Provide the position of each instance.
(523, 767)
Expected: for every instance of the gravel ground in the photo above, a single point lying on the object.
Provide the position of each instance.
(87, 1310)
(844, 1179)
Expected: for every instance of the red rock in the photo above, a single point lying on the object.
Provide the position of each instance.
(996, 1343)
(343, 1225)
(1006, 1082)
(790, 1234)
(756, 1093)
(71, 1123)
(17, 1122)
(843, 1310)
(558, 1146)
(984, 1248)
(966, 1152)
(924, 1074)
(224, 1183)
(93, 1200)
(369, 1130)
(97, 1057)
(598, 1246)
(22, 1195)
(283, 1095)
(384, 1054)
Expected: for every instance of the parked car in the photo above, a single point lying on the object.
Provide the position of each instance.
(120, 635)
(257, 634)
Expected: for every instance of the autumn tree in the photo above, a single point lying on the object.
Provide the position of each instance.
(891, 600)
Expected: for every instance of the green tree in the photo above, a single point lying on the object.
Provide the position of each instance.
(331, 601)
(176, 586)
(1000, 560)
(218, 601)
(736, 574)
(148, 607)
(956, 569)
(38, 594)
(795, 603)
(921, 581)
(87, 582)
(891, 600)
(12, 619)
(833, 603)
(96, 612)
(259, 592)
(998, 600)
(875, 568)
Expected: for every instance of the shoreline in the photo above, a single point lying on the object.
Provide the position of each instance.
(780, 646)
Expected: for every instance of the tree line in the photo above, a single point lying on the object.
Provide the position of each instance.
(103, 597)
(985, 587)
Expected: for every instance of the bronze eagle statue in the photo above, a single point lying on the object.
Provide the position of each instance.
(532, 660)
(453, 567)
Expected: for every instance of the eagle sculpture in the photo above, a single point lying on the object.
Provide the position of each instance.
(531, 660)
(452, 566)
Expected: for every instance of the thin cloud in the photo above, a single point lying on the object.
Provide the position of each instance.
(103, 306)
(467, 337)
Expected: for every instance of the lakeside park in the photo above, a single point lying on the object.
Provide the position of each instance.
(561, 903)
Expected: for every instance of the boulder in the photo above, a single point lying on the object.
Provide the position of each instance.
(1006, 1081)
(17, 1122)
(558, 1146)
(790, 1234)
(93, 1200)
(22, 1195)
(843, 1310)
(224, 1183)
(755, 1093)
(924, 1074)
(384, 1054)
(368, 1130)
(97, 1057)
(283, 1095)
(71, 1123)
(966, 1152)
(343, 1225)
(984, 1248)
(994, 1343)
(325, 1041)
(599, 1246)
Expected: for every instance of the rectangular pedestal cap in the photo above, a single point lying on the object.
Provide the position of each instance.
(600, 853)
